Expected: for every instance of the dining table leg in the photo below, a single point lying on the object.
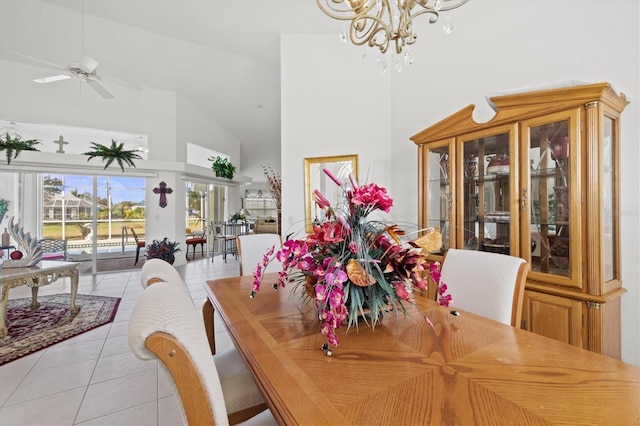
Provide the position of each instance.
(207, 314)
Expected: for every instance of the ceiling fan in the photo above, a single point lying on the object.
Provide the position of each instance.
(84, 69)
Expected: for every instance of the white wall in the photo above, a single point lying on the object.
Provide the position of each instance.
(332, 104)
(195, 127)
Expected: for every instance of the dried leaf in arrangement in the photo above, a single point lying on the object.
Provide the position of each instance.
(274, 181)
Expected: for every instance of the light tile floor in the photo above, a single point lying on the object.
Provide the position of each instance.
(93, 378)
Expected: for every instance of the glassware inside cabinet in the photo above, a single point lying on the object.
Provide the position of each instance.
(438, 203)
(486, 194)
(550, 183)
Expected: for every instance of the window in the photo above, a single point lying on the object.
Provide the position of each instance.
(260, 204)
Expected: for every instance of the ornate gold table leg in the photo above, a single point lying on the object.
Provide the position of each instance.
(3, 311)
(34, 298)
(74, 290)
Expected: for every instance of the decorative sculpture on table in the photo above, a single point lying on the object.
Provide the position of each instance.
(32, 250)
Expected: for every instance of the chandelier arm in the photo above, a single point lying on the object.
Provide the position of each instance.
(346, 12)
(374, 30)
(432, 19)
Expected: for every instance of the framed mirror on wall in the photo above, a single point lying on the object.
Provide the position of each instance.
(315, 178)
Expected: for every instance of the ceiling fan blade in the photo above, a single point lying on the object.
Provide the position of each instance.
(40, 61)
(119, 82)
(98, 88)
(87, 64)
(52, 78)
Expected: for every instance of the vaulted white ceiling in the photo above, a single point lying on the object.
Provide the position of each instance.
(229, 69)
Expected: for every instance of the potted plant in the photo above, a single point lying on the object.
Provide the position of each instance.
(4, 206)
(237, 217)
(13, 146)
(115, 152)
(223, 168)
(163, 249)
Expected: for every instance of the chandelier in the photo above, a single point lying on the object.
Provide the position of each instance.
(386, 23)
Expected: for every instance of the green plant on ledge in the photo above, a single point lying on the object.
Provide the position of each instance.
(115, 152)
(222, 167)
(14, 145)
(4, 206)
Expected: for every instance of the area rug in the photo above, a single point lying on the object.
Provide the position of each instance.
(31, 331)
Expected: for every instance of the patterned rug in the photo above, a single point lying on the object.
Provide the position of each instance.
(31, 331)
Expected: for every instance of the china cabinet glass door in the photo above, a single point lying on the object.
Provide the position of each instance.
(439, 203)
(553, 182)
(487, 176)
(609, 204)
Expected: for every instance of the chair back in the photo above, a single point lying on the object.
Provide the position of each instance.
(164, 325)
(486, 284)
(53, 249)
(251, 249)
(157, 270)
(219, 229)
(135, 237)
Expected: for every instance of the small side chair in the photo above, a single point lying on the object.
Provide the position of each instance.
(53, 249)
(487, 284)
(140, 244)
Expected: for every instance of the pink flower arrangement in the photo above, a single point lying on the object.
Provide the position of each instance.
(352, 268)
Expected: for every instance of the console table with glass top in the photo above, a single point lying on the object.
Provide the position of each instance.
(44, 273)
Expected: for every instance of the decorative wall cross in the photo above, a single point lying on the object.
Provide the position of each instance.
(163, 191)
(61, 143)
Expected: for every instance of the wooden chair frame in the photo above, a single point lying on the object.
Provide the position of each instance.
(190, 387)
(139, 244)
(518, 294)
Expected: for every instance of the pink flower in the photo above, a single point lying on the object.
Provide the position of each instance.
(354, 183)
(336, 278)
(434, 271)
(353, 248)
(443, 298)
(320, 199)
(371, 197)
(321, 293)
(428, 320)
(335, 298)
(332, 176)
(401, 291)
(257, 277)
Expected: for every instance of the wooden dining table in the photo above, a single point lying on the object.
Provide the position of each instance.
(468, 370)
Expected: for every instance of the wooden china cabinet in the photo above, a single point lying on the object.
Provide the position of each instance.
(540, 180)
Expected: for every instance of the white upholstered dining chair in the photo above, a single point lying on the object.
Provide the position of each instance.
(486, 284)
(252, 247)
(155, 270)
(213, 389)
